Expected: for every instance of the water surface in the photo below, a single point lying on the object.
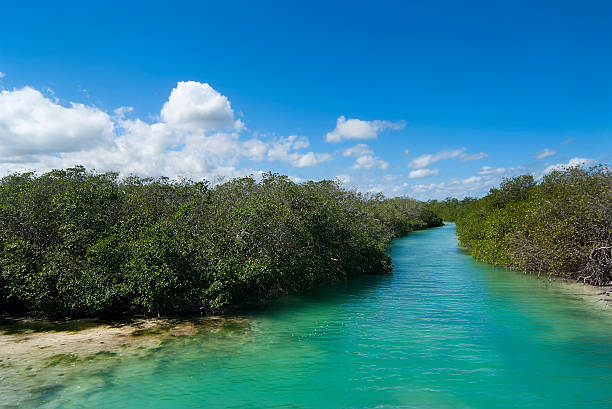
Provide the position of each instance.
(443, 331)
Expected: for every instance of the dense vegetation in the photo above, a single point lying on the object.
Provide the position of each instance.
(560, 226)
(450, 209)
(79, 243)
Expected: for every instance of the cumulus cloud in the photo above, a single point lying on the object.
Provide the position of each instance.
(545, 153)
(369, 162)
(255, 149)
(365, 157)
(574, 162)
(284, 150)
(359, 129)
(421, 173)
(196, 136)
(32, 124)
(2, 75)
(461, 154)
(195, 106)
(358, 150)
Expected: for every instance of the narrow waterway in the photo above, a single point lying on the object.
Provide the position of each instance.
(443, 331)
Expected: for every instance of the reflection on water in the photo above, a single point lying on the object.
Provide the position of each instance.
(442, 332)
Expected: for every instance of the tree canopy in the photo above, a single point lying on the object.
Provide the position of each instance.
(80, 243)
(561, 225)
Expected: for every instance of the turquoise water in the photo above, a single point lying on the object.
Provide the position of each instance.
(442, 332)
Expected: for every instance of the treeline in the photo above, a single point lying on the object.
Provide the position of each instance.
(559, 226)
(80, 243)
(450, 209)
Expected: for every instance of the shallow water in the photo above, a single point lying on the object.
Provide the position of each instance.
(443, 331)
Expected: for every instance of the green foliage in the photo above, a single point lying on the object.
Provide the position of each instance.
(561, 226)
(449, 209)
(78, 243)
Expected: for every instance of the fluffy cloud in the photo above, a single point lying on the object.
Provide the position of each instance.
(32, 124)
(196, 136)
(359, 129)
(421, 173)
(545, 153)
(574, 162)
(2, 75)
(461, 154)
(369, 162)
(195, 106)
(310, 159)
(284, 150)
(365, 157)
(255, 149)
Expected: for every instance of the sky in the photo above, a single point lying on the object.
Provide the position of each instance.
(423, 99)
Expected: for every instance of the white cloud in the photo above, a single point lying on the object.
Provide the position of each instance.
(546, 153)
(488, 170)
(428, 159)
(473, 185)
(471, 180)
(196, 136)
(370, 162)
(574, 162)
(123, 111)
(310, 159)
(195, 106)
(359, 129)
(32, 124)
(466, 157)
(365, 157)
(255, 149)
(358, 150)
(2, 75)
(421, 173)
(391, 178)
(284, 150)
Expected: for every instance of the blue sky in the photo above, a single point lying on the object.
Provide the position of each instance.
(426, 99)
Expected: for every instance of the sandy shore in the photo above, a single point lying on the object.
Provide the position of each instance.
(599, 296)
(36, 355)
(28, 340)
(26, 337)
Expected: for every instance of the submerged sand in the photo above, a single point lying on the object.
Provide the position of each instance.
(37, 355)
(599, 296)
(27, 339)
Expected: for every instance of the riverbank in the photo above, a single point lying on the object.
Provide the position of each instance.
(558, 225)
(600, 296)
(27, 338)
(44, 339)
(28, 342)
